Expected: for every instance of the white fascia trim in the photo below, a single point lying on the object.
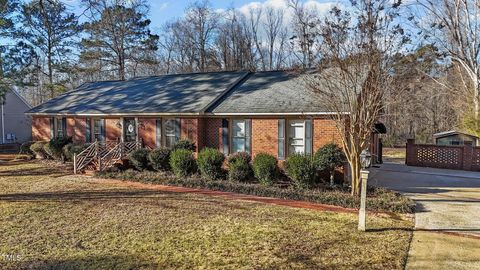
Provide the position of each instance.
(267, 114)
(188, 114)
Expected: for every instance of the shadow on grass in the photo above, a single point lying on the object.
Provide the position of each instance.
(90, 262)
(115, 194)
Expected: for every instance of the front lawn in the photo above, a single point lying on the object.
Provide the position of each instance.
(52, 220)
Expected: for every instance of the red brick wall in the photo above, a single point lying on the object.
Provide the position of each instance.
(324, 131)
(112, 131)
(80, 130)
(265, 136)
(40, 128)
(147, 131)
(71, 127)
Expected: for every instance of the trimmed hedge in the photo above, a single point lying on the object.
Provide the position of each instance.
(239, 168)
(265, 168)
(185, 144)
(70, 149)
(54, 148)
(379, 199)
(210, 162)
(37, 149)
(139, 158)
(182, 162)
(25, 149)
(160, 159)
(301, 169)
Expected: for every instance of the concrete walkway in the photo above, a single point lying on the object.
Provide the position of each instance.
(447, 218)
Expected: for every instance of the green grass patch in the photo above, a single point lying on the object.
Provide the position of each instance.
(57, 221)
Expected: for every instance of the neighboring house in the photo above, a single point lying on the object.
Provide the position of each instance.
(15, 124)
(454, 137)
(272, 112)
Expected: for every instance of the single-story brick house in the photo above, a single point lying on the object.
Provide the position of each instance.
(272, 112)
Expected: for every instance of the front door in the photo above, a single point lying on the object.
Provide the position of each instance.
(129, 130)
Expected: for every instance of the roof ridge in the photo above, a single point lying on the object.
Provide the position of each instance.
(226, 92)
(189, 73)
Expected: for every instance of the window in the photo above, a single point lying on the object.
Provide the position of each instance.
(300, 136)
(158, 132)
(88, 127)
(241, 135)
(59, 127)
(281, 139)
(99, 129)
(172, 132)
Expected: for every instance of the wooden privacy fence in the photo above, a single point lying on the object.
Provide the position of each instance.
(466, 157)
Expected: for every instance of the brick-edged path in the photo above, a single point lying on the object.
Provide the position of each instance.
(231, 196)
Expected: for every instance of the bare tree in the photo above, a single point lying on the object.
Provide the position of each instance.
(454, 26)
(355, 72)
(305, 33)
(273, 26)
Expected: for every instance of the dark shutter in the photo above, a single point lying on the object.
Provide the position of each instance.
(64, 127)
(281, 139)
(177, 129)
(225, 136)
(158, 132)
(88, 127)
(308, 137)
(102, 130)
(248, 135)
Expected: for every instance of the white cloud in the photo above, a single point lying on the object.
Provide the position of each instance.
(163, 5)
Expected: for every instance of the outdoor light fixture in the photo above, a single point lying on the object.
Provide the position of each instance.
(365, 159)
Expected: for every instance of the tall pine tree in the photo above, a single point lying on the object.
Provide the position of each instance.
(118, 37)
(51, 30)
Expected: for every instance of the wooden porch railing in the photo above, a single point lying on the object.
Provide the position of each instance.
(103, 155)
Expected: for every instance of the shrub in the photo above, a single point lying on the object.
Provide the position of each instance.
(160, 159)
(239, 168)
(265, 168)
(378, 200)
(301, 169)
(25, 149)
(210, 163)
(37, 149)
(139, 158)
(182, 162)
(70, 149)
(328, 158)
(244, 156)
(54, 148)
(184, 144)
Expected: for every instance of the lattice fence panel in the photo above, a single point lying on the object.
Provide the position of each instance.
(439, 156)
(476, 159)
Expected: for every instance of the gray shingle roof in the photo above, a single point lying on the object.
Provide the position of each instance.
(196, 93)
(180, 93)
(270, 92)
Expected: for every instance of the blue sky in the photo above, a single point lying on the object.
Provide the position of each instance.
(162, 11)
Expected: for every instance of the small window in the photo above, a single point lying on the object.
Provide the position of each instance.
(99, 129)
(60, 127)
(172, 132)
(241, 135)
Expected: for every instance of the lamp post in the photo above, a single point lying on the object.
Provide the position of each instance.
(365, 161)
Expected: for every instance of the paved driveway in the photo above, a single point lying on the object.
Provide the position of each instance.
(447, 218)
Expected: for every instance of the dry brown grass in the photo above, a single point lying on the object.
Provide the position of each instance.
(54, 220)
